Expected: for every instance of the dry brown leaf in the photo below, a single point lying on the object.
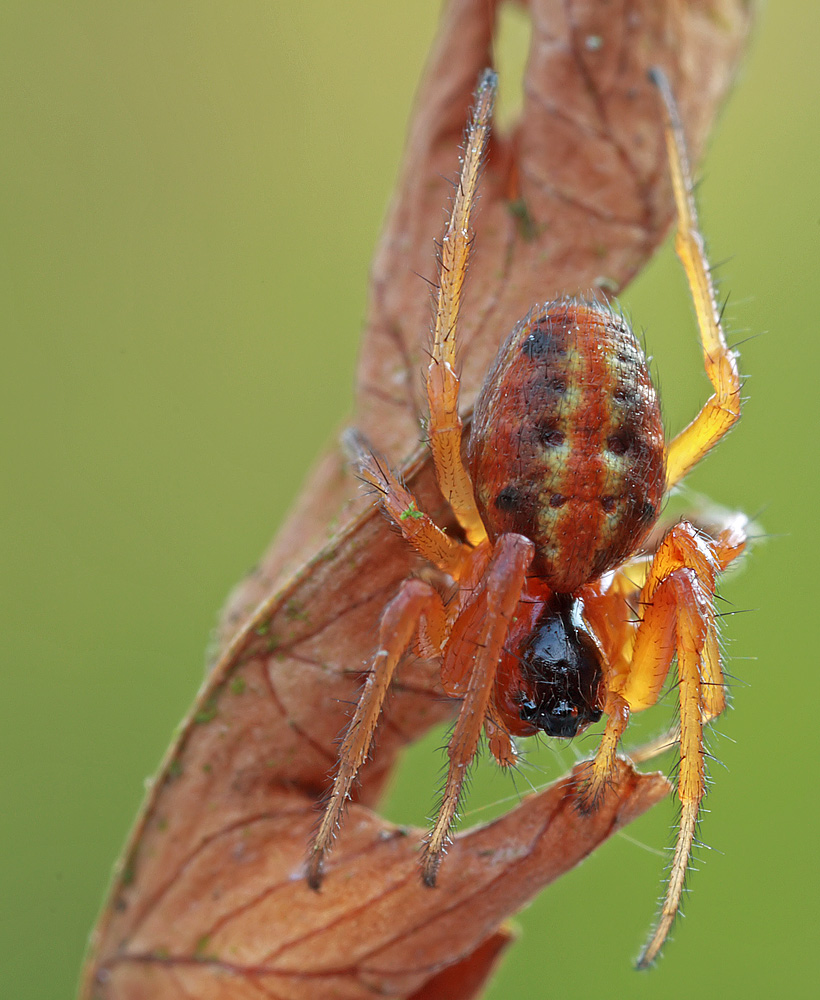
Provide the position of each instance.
(234, 917)
(209, 901)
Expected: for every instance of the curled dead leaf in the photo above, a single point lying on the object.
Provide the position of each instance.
(237, 919)
(209, 900)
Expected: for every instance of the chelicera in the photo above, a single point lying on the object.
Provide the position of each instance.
(556, 613)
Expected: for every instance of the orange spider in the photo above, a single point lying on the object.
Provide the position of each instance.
(566, 471)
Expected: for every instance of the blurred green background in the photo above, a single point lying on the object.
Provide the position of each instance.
(190, 196)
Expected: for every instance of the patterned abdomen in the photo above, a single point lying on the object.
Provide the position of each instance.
(567, 444)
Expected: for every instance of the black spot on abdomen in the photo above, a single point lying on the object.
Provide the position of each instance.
(509, 499)
(544, 344)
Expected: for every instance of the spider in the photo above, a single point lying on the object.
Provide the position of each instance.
(556, 614)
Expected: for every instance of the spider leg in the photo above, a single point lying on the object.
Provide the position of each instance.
(478, 634)
(399, 504)
(442, 382)
(609, 614)
(678, 617)
(415, 602)
(722, 409)
(599, 771)
(684, 546)
(684, 611)
(498, 739)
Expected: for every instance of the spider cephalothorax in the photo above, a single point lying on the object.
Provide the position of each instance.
(558, 615)
(561, 667)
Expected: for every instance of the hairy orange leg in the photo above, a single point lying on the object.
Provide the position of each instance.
(678, 616)
(729, 544)
(445, 425)
(478, 634)
(722, 409)
(684, 546)
(415, 602)
(418, 528)
(599, 771)
(680, 619)
(730, 541)
(609, 614)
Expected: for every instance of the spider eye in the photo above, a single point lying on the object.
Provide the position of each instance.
(563, 720)
(528, 710)
(557, 718)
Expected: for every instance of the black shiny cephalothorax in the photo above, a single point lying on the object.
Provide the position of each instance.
(561, 663)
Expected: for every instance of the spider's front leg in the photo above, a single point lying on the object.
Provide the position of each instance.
(677, 617)
(468, 671)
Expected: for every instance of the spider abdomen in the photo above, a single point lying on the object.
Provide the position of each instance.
(567, 445)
